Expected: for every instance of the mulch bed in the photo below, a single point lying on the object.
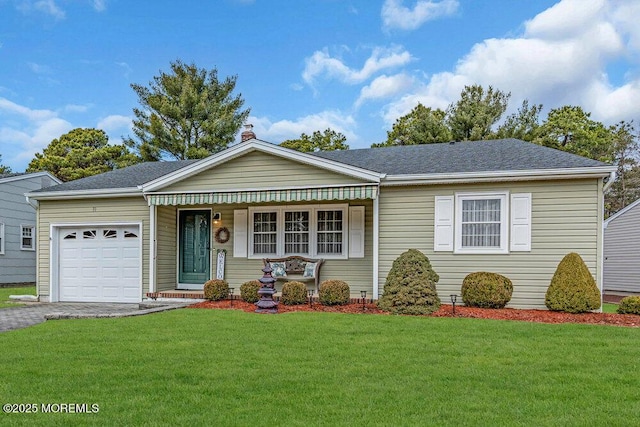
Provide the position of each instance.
(542, 316)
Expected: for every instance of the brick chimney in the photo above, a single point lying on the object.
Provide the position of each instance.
(248, 133)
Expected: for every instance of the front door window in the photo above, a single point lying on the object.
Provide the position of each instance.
(195, 246)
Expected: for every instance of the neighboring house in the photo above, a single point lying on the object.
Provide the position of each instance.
(622, 252)
(18, 225)
(505, 206)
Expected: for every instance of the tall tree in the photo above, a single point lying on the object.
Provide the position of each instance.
(3, 168)
(523, 124)
(81, 153)
(471, 118)
(423, 125)
(571, 129)
(329, 140)
(626, 155)
(186, 114)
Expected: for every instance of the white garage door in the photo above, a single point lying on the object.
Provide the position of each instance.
(100, 264)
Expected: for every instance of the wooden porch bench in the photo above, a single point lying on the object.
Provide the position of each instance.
(294, 267)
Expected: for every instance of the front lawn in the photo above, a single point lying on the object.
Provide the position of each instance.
(223, 367)
(20, 290)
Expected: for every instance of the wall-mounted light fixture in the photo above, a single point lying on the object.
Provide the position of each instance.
(217, 218)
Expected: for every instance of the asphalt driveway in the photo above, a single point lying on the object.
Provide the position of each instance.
(33, 313)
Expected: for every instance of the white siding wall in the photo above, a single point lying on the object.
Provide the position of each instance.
(622, 253)
(565, 218)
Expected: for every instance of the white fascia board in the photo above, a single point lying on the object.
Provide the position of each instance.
(493, 176)
(80, 194)
(621, 212)
(30, 175)
(265, 147)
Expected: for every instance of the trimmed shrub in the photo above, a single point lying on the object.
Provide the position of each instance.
(334, 292)
(573, 288)
(216, 289)
(410, 287)
(249, 291)
(294, 293)
(629, 305)
(486, 290)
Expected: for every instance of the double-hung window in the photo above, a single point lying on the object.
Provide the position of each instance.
(27, 238)
(318, 230)
(481, 223)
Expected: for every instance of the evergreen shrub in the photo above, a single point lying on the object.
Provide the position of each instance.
(334, 292)
(573, 289)
(410, 287)
(216, 289)
(629, 305)
(249, 291)
(486, 290)
(294, 293)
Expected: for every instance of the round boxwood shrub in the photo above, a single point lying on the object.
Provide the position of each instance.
(486, 290)
(334, 292)
(294, 293)
(410, 287)
(249, 291)
(216, 289)
(573, 288)
(629, 305)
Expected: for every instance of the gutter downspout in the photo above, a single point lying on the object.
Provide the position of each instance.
(376, 245)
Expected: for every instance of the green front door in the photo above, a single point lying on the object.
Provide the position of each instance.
(194, 251)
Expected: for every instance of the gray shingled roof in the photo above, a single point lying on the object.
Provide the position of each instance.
(129, 177)
(459, 157)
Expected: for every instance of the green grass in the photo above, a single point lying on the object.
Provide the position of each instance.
(217, 367)
(20, 290)
(609, 308)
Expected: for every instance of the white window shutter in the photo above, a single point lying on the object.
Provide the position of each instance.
(356, 231)
(240, 217)
(521, 222)
(443, 224)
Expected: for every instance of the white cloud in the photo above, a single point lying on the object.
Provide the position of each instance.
(50, 8)
(385, 87)
(281, 130)
(396, 15)
(561, 58)
(100, 5)
(38, 68)
(116, 126)
(322, 63)
(27, 131)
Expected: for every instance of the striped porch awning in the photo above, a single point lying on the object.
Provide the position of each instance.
(265, 196)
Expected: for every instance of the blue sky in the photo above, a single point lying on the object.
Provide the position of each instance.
(352, 65)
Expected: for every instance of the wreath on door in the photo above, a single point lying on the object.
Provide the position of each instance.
(222, 235)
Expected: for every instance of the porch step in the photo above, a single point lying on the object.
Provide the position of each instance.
(177, 294)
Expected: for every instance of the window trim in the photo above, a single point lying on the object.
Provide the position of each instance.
(503, 196)
(33, 237)
(2, 238)
(313, 224)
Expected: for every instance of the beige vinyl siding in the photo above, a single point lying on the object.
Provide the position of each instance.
(565, 218)
(166, 248)
(260, 170)
(622, 253)
(89, 211)
(357, 272)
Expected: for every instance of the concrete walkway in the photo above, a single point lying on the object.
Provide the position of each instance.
(34, 313)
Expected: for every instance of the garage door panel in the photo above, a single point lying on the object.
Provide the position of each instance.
(101, 265)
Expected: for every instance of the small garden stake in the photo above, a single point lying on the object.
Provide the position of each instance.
(453, 302)
(363, 294)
